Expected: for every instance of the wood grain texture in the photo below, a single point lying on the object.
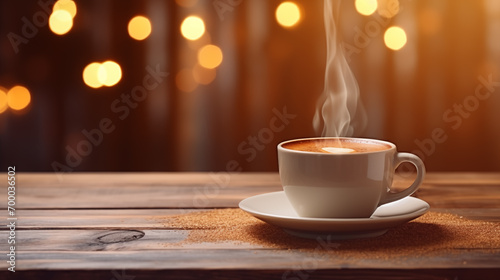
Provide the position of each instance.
(147, 190)
(95, 219)
(112, 223)
(210, 190)
(236, 258)
(98, 231)
(141, 219)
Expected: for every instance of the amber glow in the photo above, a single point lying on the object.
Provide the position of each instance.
(67, 5)
(90, 75)
(60, 22)
(395, 38)
(388, 8)
(96, 75)
(366, 7)
(210, 56)
(192, 28)
(203, 75)
(430, 21)
(184, 80)
(18, 98)
(139, 28)
(288, 14)
(109, 73)
(186, 3)
(3, 100)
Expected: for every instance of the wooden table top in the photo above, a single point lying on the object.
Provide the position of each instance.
(113, 226)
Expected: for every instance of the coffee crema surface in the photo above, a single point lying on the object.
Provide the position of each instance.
(336, 146)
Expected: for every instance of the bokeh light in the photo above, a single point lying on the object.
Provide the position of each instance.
(60, 22)
(203, 75)
(66, 5)
(192, 28)
(90, 75)
(109, 73)
(388, 8)
(96, 75)
(366, 7)
(139, 28)
(395, 38)
(288, 14)
(210, 56)
(18, 98)
(3, 100)
(184, 80)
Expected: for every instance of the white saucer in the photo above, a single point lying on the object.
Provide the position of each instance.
(274, 208)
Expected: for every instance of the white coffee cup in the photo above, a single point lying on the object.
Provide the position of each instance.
(345, 182)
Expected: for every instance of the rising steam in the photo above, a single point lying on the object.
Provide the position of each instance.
(339, 111)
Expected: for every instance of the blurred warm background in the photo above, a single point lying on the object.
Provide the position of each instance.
(199, 85)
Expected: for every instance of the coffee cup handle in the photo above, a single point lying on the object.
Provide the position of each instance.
(419, 164)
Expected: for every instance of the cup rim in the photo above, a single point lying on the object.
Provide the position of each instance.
(280, 146)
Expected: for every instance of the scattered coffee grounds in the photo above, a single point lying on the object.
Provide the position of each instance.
(433, 232)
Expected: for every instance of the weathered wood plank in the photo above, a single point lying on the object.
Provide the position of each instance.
(95, 219)
(141, 219)
(90, 179)
(72, 240)
(59, 234)
(134, 197)
(189, 178)
(43, 191)
(95, 240)
(205, 190)
(238, 259)
(134, 239)
(461, 196)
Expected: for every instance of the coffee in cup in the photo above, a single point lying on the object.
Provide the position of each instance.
(342, 177)
(336, 145)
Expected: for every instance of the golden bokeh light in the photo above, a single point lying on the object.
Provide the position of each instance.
(3, 100)
(395, 38)
(60, 22)
(366, 7)
(288, 14)
(18, 98)
(96, 75)
(192, 28)
(90, 75)
(66, 5)
(109, 73)
(203, 75)
(210, 56)
(388, 8)
(139, 28)
(184, 80)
